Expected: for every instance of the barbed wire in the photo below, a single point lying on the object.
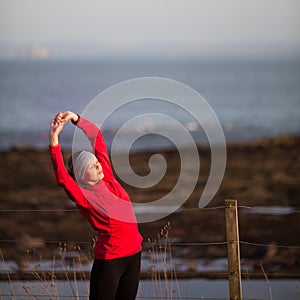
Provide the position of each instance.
(183, 244)
(39, 210)
(192, 209)
(204, 275)
(48, 242)
(267, 245)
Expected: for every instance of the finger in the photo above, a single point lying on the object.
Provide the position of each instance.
(59, 116)
(65, 117)
(55, 123)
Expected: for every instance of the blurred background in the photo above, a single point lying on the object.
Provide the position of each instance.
(243, 57)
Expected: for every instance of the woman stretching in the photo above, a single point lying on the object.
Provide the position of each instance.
(91, 185)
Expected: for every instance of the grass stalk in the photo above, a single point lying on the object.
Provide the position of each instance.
(8, 277)
(268, 282)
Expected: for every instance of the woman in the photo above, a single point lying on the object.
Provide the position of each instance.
(107, 207)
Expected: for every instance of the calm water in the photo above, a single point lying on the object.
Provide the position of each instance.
(183, 289)
(251, 98)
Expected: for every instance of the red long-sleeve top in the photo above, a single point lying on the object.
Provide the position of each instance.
(106, 205)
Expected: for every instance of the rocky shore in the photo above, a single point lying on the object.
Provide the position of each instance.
(262, 174)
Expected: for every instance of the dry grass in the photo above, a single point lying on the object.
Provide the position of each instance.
(70, 264)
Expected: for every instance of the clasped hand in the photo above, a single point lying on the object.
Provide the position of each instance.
(58, 123)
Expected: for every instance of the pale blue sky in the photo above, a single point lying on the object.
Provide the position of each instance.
(172, 27)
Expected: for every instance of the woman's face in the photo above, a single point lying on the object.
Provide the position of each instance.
(93, 173)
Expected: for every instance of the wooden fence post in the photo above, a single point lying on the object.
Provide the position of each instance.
(233, 248)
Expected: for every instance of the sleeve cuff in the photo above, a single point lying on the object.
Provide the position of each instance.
(54, 146)
(75, 123)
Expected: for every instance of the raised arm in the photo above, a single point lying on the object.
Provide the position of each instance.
(94, 134)
(63, 178)
(55, 129)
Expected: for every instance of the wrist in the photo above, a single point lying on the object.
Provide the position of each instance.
(75, 119)
(54, 140)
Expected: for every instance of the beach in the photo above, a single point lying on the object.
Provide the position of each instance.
(36, 216)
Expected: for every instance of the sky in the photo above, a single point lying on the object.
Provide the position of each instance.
(156, 27)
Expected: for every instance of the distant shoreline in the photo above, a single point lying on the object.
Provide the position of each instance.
(252, 142)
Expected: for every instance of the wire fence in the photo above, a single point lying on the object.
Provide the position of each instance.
(171, 245)
(270, 209)
(294, 211)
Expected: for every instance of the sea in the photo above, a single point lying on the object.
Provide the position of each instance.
(252, 98)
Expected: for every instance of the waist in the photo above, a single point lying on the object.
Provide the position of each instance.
(124, 259)
(117, 244)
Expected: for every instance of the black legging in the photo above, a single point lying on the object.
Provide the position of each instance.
(115, 279)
